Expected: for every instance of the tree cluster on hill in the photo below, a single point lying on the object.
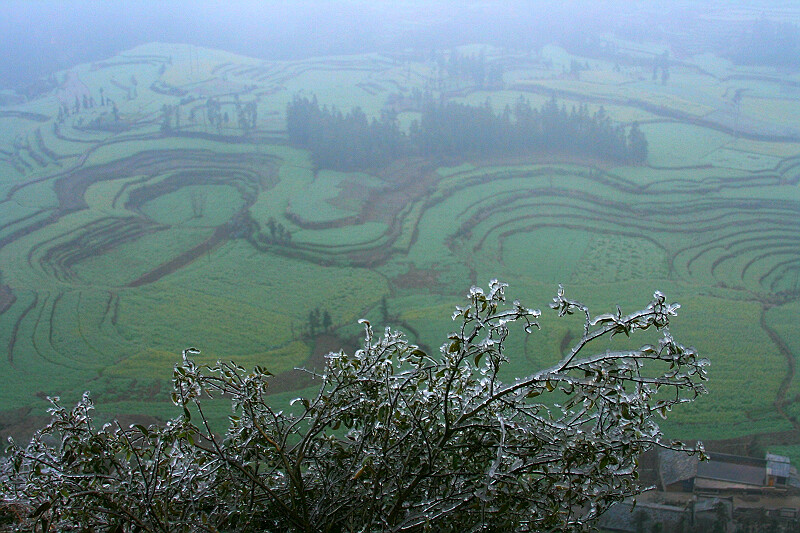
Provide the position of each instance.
(661, 62)
(395, 439)
(170, 117)
(214, 112)
(349, 141)
(244, 226)
(246, 114)
(472, 67)
(319, 321)
(766, 42)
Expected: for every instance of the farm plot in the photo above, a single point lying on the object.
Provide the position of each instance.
(332, 200)
(124, 241)
(537, 226)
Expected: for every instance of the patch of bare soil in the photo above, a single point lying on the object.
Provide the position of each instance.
(417, 278)
(351, 195)
(22, 423)
(407, 180)
(753, 445)
(299, 379)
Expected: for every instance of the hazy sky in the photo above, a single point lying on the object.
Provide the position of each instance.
(42, 36)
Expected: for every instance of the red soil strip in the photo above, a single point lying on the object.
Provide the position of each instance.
(7, 298)
(330, 224)
(115, 314)
(13, 338)
(219, 235)
(71, 185)
(780, 400)
(108, 307)
(36, 117)
(52, 320)
(417, 278)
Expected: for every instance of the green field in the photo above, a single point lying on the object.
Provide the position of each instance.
(123, 242)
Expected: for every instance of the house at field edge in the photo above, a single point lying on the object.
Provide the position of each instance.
(724, 473)
(779, 470)
(728, 488)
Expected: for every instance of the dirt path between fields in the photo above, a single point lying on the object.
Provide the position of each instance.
(7, 298)
(783, 348)
(219, 236)
(299, 379)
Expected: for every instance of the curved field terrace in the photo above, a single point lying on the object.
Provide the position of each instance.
(179, 215)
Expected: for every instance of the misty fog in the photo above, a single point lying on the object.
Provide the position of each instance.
(251, 178)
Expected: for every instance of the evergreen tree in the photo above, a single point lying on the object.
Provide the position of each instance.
(637, 144)
(353, 141)
(313, 321)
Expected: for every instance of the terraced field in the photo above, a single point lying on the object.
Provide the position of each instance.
(124, 240)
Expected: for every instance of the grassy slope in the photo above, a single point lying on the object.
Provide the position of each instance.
(684, 224)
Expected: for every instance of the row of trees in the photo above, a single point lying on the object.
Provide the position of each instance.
(88, 102)
(349, 141)
(244, 226)
(246, 114)
(472, 67)
(319, 321)
(170, 117)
